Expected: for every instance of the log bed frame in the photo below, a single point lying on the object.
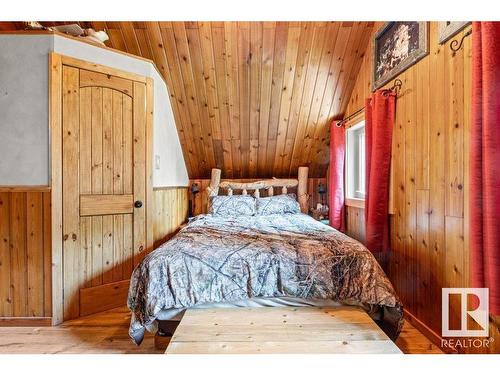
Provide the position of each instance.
(269, 185)
(342, 329)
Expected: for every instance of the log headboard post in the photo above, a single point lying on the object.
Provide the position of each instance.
(213, 188)
(302, 195)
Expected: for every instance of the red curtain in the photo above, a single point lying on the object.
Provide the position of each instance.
(336, 178)
(485, 161)
(379, 120)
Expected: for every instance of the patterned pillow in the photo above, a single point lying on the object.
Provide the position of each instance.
(233, 205)
(279, 204)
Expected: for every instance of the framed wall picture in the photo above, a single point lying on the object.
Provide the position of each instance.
(396, 47)
(448, 29)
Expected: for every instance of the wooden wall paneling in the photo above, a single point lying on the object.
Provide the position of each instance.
(429, 228)
(35, 254)
(357, 59)
(307, 96)
(244, 61)
(280, 47)
(47, 254)
(220, 60)
(422, 257)
(355, 218)
(170, 212)
(319, 89)
(467, 69)
(116, 37)
(145, 49)
(306, 37)
(286, 98)
(266, 84)
(203, 80)
(453, 260)
(231, 48)
(256, 39)
(167, 39)
(437, 170)
(190, 92)
(5, 256)
(347, 63)
(454, 96)
(130, 38)
(210, 79)
(410, 186)
(422, 85)
(399, 199)
(319, 151)
(25, 258)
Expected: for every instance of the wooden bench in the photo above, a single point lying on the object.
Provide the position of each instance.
(279, 330)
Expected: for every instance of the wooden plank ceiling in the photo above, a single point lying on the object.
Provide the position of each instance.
(252, 98)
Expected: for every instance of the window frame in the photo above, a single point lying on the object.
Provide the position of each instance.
(356, 165)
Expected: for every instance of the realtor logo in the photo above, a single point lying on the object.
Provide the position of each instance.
(478, 313)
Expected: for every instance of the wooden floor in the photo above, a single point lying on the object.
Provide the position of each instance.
(108, 333)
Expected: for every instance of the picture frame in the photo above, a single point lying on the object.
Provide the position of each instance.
(396, 47)
(448, 29)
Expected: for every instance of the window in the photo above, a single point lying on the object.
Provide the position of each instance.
(355, 161)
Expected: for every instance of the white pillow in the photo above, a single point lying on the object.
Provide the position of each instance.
(232, 205)
(278, 204)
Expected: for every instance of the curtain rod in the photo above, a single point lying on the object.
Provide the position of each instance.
(396, 86)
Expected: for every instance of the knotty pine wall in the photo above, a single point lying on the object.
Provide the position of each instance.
(25, 246)
(170, 210)
(355, 223)
(25, 258)
(200, 201)
(430, 158)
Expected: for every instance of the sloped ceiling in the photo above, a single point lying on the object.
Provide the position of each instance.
(252, 98)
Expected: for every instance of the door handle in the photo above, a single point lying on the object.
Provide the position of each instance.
(137, 204)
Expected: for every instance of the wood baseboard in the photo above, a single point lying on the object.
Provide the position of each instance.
(427, 332)
(25, 321)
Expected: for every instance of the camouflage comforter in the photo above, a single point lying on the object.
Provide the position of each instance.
(219, 259)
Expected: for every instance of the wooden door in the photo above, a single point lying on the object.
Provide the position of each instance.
(104, 179)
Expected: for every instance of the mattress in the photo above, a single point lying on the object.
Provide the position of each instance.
(176, 314)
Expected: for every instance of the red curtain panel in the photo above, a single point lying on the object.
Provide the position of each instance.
(485, 161)
(379, 120)
(336, 182)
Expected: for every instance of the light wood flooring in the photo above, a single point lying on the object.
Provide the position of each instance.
(108, 333)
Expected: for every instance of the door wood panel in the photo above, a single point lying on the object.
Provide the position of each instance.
(100, 204)
(104, 162)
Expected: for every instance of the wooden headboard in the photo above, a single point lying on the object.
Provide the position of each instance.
(269, 185)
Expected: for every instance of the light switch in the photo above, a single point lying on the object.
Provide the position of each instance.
(157, 161)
